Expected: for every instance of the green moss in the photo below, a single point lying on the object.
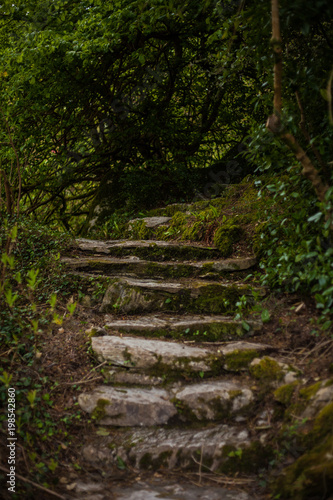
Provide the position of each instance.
(323, 425)
(285, 393)
(226, 236)
(267, 370)
(239, 360)
(139, 231)
(127, 357)
(309, 392)
(99, 411)
(217, 299)
(311, 476)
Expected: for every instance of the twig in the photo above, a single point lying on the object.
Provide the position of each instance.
(221, 479)
(316, 348)
(94, 369)
(81, 382)
(200, 466)
(33, 484)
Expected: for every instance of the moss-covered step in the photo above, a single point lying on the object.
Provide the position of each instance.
(147, 249)
(189, 327)
(213, 400)
(133, 266)
(156, 356)
(128, 407)
(168, 360)
(220, 448)
(126, 295)
(131, 406)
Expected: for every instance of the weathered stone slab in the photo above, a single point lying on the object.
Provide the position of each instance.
(132, 295)
(152, 449)
(148, 249)
(183, 491)
(143, 354)
(150, 221)
(208, 328)
(133, 266)
(132, 407)
(128, 406)
(214, 400)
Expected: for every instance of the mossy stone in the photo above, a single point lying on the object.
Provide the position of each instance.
(311, 476)
(267, 370)
(226, 236)
(99, 411)
(239, 360)
(285, 393)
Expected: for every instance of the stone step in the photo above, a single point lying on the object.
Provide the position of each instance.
(148, 249)
(185, 449)
(126, 295)
(198, 328)
(128, 406)
(176, 491)
(170, 360)
(156, 489)
(133, 266)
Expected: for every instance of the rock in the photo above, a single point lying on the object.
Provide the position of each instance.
(271, 371)
(143, 354)
(132, 407)
(232, 347)
(214, 400)
(150, 221)
(209, 328)
(175, 491)
(85, 488)
(148, 249)
(133, 266)
(133, 295)
(238, 355)
(153, 449)
(321, 398)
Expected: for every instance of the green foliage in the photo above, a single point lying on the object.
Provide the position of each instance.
(27, 282)
(295, 243)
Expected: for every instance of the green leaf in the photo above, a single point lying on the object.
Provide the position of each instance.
(121, 464)
(265, 316)
(246, 326)
(316, 217)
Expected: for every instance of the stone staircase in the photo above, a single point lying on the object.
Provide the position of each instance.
(184, 382)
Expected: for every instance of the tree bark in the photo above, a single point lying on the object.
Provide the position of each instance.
(274, 123)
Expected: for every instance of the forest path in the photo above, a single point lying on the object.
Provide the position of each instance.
(184, 382)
